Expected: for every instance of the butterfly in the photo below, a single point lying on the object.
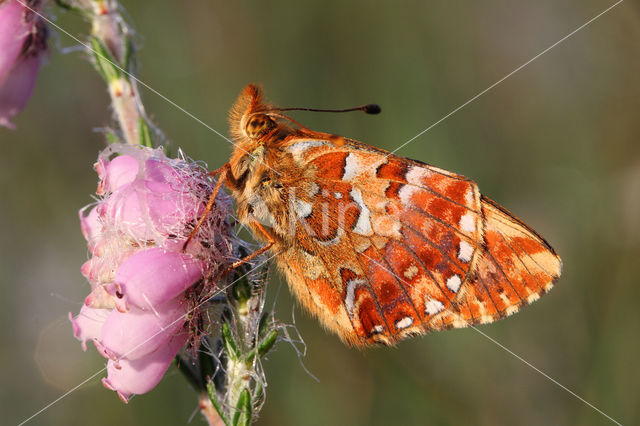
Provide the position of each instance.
(377, 246)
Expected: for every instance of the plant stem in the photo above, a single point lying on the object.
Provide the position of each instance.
(124, 105)
(114, 61)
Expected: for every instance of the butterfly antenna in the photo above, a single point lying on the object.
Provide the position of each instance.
(367, 109)
(273, 114)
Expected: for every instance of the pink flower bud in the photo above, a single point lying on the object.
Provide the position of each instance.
(101, 270)
(159, 171)
(100, 299)
(152, 277)
(88, 324)
(91, 228)
(13, 30)
(150, 210)
(139, 376)
(90, 224)
(125, 211)
(168, 207)
(137, 333)
(22, 42)
(114, 174)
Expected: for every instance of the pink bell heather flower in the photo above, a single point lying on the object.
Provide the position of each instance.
(144, 285)
(139, 376)
(137, 276)
(23, 37)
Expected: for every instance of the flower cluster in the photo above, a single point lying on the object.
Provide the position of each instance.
(23, 40)
(145, 284)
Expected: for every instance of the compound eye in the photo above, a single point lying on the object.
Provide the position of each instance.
(258, 125)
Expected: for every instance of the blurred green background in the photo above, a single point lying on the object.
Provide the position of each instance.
(556, 143)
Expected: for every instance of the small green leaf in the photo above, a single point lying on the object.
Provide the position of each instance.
(229, 342)
(67, 6)
(144, 136)
(263, 324)
(128, 53)
(257, 392)
(211, 390)
(267, 343)
(104, 62)
(242, 417)
(264, 347)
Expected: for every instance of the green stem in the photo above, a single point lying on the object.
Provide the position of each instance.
(114, 57)
(247, 336)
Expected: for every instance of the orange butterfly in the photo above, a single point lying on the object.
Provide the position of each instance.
(377, 246)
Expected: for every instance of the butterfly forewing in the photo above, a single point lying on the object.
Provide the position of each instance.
(380, 247)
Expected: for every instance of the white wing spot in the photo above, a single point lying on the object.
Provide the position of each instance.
(313, 190)
(350, 299)
(303, 209)
(387, 226)
(352, 167)
(512, 309)
(337, 195)
(378, 328)
(299, 148)
(533, 297)
(468, 222)
(404, 323)
(459, 323)
(468, 196)
(486, 319)
(411, 272)
(466, 251)
(417, 175)
(433, 306)
(406, 192)
(505, 299)
(363, 226)
(454, 283)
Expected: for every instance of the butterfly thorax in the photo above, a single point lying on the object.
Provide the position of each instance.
(263, 177)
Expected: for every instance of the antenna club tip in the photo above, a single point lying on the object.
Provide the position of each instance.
(372, 109)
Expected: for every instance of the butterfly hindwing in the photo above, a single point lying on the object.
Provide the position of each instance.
(406, 234)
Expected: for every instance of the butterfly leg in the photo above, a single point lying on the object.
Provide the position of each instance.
(250, 257)
(222, 171)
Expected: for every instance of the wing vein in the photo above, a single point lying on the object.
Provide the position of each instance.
(325, 266)
(390, 270)
(378, 308)
(521, 261)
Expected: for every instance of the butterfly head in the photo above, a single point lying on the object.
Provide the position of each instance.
(250, 118)
(259, 129)
(255, 127)
(258, 125)
(253, 120)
